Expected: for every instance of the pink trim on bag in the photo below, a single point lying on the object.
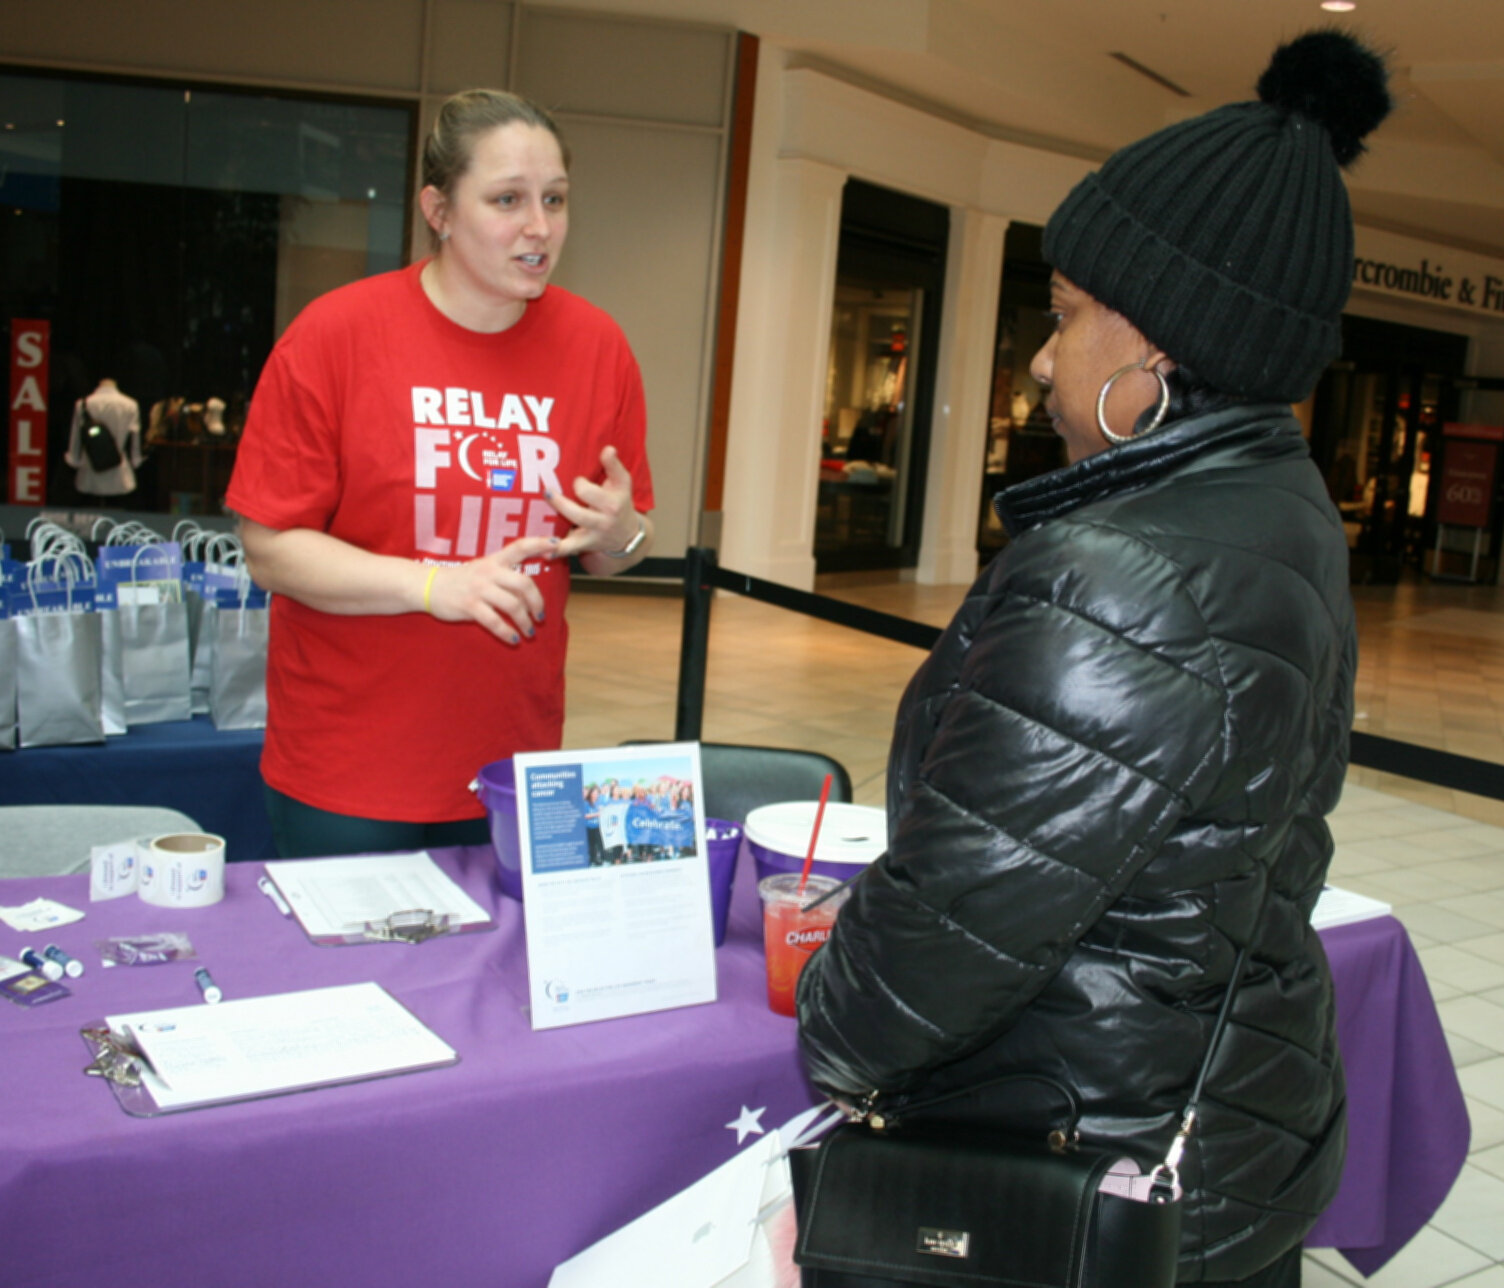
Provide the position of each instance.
(1126, 1180)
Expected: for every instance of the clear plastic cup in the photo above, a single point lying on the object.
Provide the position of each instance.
(790, 934)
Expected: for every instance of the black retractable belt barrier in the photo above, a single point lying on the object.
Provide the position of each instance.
(702, 576)
(1427, 765)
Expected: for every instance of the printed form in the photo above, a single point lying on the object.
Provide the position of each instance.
(261, 1046)
(334, 898)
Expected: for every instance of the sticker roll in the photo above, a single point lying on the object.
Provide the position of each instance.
(183, 870)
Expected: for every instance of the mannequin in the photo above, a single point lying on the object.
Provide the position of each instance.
(118, 413)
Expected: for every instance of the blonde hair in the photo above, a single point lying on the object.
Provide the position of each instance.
(450, 146)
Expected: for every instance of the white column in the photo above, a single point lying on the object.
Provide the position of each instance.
(778, 399)
(963, 396)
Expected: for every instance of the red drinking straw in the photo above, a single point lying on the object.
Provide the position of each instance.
(814, 836)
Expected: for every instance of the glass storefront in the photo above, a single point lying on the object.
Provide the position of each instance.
(1020, 440)
(869, 417)
(1375, 432)
(880, 380)
(167, 233)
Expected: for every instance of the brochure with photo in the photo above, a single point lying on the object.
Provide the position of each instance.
(616, 885)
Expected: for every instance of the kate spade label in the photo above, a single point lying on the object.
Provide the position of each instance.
(944, 1243)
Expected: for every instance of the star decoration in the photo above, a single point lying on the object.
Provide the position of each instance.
(747, 1124)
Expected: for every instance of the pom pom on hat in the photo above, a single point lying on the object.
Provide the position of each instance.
(1227, 238)
(1330, 78)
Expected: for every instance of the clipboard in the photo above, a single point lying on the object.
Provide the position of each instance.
(161, 1062)
(374, 899)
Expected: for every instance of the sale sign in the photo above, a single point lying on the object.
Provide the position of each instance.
(30, 349)
(1469, 458)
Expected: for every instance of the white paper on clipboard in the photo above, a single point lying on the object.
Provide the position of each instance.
(334, 898)
(265, 1046)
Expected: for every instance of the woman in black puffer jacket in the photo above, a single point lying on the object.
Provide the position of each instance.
(1112, 772)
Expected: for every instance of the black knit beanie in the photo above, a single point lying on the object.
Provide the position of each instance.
(1227, 240)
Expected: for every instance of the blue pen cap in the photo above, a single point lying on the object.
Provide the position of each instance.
(206, 985)
(46, 969)
(72, 967)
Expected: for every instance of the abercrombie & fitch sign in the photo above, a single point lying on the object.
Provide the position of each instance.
(1400, 266)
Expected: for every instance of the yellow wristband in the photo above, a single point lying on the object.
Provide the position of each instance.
(428, 589)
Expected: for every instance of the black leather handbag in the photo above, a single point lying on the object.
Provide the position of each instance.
(936, 1204)
(98, 443)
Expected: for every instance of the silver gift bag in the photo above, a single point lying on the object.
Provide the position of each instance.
(237, 689)
(7, 684)
(200, 649)
(111, 672)
(58, 698)
(154, 639)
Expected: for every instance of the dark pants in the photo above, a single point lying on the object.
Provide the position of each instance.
(300, 831)
(1283, 1273)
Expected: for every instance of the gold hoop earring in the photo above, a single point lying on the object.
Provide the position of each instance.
(1159, 412)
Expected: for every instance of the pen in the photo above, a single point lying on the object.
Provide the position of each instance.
(43, 967)
(207, 986)
(268, 887)
(72, 967)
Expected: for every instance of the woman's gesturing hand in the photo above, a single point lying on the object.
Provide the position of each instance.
(493, 590)
(603, 516)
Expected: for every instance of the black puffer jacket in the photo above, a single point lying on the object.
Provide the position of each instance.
(1125, 740)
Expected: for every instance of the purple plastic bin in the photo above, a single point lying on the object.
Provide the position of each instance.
(496, 785)
(851, 836)
(723, 841)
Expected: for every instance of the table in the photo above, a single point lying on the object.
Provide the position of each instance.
(1408, 1127)
(487, 1173)
(535, 1144)
(212, 775)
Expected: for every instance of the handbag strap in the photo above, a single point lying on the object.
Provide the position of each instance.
(1167, 1174)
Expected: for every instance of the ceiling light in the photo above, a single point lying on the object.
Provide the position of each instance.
(1339, 6)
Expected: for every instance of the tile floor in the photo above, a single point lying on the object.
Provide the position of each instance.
(1431, 672)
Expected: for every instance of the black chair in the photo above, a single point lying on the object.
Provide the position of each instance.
(737, 778)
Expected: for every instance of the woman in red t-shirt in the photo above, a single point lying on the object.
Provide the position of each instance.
(424, 449)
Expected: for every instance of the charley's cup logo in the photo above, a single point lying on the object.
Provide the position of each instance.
(807, 938)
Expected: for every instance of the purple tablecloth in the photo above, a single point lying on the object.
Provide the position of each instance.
(1408, 1128)
(486, 1173)
(535, 1144)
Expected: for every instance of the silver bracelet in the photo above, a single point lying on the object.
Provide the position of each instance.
(631, 547)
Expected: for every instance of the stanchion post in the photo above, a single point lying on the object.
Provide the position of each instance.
(694, 644)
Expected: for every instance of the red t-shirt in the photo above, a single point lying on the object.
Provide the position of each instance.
(383, 423)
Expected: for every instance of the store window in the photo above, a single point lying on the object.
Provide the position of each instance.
(166, 234)
(1020, 439)
(880, 381)
(1376, 435)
